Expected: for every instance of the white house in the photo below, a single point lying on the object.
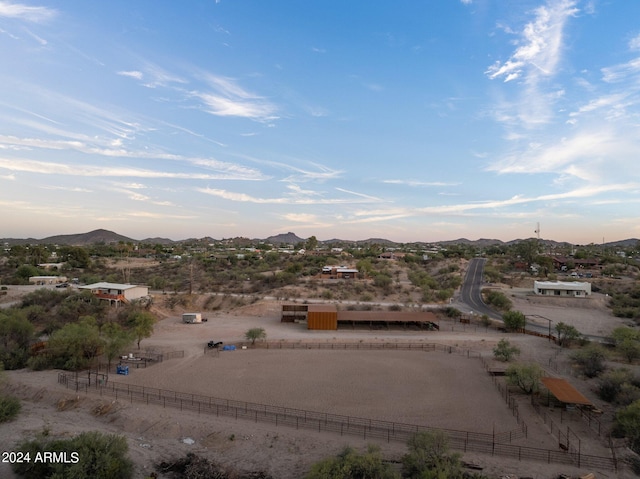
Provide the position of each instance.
(47, 279)
(560, 288)
(116, 293)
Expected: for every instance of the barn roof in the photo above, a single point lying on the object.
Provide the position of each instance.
(565, 392)
(390, 316)
(322, 308)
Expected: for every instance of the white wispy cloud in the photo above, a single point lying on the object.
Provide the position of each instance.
(138, 75)
(540, 46)
(74, 189)
(26, 12)
(418, 183)
(578, 193)
(292, 199)
(534, 62)
(622, 71)
(55, 168)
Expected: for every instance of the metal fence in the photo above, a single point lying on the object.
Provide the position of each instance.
(400, 346)
(495, 444)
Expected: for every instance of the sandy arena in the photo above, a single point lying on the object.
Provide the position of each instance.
(428, 388)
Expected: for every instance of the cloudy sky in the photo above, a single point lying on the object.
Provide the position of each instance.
(413, 120)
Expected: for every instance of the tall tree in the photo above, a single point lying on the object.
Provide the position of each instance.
(526, 376)
(142, 323)
(566, 333)
(115, 340)
(255, 333)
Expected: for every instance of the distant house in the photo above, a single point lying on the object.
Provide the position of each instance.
(47, 279)
(51, 265)
(341, 272)
(117, 293)
(562, 262)
(560, 288)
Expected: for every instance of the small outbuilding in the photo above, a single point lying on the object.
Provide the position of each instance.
(562, 288)
(192, 318)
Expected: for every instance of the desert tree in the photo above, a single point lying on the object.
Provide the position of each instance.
(115, 339)
(514, 320)
(566, 333)
(75, 345)
(16, 332)
(429, 457)
(525, 376)
(254, 334)
(627, 424)
(505, 351)
(350, 464)
(590, 360)
(142, 324)
(627, 342)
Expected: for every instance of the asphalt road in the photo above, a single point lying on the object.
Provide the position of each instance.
(471, 290)
(471, 300)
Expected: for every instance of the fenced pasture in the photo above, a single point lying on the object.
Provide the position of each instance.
(494, 443)
(350, 379)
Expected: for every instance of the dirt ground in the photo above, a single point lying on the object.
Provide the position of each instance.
(428, 388)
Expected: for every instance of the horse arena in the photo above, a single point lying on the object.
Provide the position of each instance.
(331, 374)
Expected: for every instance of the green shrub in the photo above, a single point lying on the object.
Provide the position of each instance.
(98, 456)
(9, 408)
(497, 299)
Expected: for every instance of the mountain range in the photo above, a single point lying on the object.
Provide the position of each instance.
(102, 236)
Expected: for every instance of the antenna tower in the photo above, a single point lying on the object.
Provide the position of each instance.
(537, 231)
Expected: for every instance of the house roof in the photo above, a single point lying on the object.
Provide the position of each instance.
(568, 285)
(565, 392)
(105, 285)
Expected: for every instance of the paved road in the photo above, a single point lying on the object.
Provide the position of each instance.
(471, 290)
(471, 300)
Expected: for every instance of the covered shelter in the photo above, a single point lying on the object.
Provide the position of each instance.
(564, 392)
(380, 319)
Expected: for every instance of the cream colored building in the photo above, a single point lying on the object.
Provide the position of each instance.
(562, 288)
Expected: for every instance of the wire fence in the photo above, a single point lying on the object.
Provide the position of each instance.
(495, 443)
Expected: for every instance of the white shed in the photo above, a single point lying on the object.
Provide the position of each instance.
(562, 288)
(191, 318)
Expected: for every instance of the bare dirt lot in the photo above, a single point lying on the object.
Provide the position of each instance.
(427, 388)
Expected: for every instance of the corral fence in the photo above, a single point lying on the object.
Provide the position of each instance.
(494, 443)
(567, 439)
(145, 358)
(400, 346)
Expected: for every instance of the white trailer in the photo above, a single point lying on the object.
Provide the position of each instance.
(191, 318)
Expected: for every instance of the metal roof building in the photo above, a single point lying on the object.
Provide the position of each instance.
(562, 288)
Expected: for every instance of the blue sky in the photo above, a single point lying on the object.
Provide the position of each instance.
(412, 121)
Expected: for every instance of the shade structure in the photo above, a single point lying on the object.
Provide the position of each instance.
(565, 392)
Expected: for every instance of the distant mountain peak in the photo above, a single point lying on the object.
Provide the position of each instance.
(288, 238)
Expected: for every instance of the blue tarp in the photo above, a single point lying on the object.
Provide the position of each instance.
(229, 347)
(123, 370)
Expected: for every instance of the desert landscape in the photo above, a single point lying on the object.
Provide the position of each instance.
(427, 388)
